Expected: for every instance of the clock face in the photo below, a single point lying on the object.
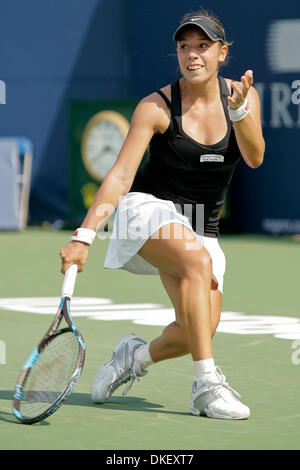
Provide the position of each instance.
(102, 140)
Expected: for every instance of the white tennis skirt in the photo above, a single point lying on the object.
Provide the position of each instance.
(137, 218)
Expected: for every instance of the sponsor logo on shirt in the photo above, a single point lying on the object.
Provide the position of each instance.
(211, 158)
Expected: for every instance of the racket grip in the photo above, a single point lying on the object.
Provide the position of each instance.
(69, 281)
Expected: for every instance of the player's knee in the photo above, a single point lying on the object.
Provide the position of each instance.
(198, 265)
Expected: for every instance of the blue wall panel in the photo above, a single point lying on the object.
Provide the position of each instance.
(51, 53)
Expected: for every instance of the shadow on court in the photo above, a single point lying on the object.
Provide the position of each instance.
(10, 418)
(83, 399)
(121, 403)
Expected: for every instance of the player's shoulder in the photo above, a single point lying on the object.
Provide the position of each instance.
(154, 111)
(155, 100)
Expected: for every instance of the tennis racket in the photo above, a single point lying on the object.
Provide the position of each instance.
(54, 366)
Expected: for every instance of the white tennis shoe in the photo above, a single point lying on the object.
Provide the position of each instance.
(122, 368)
(214, 398)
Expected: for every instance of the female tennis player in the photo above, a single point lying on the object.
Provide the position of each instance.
(168, 210)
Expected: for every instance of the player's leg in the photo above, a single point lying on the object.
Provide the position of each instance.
(172, 342)
(182, 255)
(171, 284)
(216, 306)
(211, 395)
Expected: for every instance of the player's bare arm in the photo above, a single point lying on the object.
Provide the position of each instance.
(248, 131)
(147, 119)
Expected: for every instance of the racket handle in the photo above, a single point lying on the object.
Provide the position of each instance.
(69, 281)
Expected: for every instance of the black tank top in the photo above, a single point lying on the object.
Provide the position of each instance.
(182, 170)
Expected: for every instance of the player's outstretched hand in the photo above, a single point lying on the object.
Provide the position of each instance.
(240, 90)
(74, 253)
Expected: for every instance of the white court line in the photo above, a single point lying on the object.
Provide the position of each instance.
(155, 314)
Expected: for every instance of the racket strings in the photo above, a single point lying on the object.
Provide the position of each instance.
(50, 375)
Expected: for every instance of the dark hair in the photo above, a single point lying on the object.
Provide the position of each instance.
(212, 17)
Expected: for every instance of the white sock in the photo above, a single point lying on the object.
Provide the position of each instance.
(205, 366)
(142, 354)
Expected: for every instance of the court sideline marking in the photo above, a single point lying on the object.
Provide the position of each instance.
(104, 309)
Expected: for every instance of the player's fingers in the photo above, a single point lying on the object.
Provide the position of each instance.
(237, 88)
(80, 266)
(246, 85)
(66, 260)
(65, 266)
(63, 253)
(249, 76)
(73, 253)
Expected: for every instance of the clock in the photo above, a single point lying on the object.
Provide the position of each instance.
(102, 139)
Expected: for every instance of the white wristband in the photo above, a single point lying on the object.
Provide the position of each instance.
(239, 113)
(86, 235)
